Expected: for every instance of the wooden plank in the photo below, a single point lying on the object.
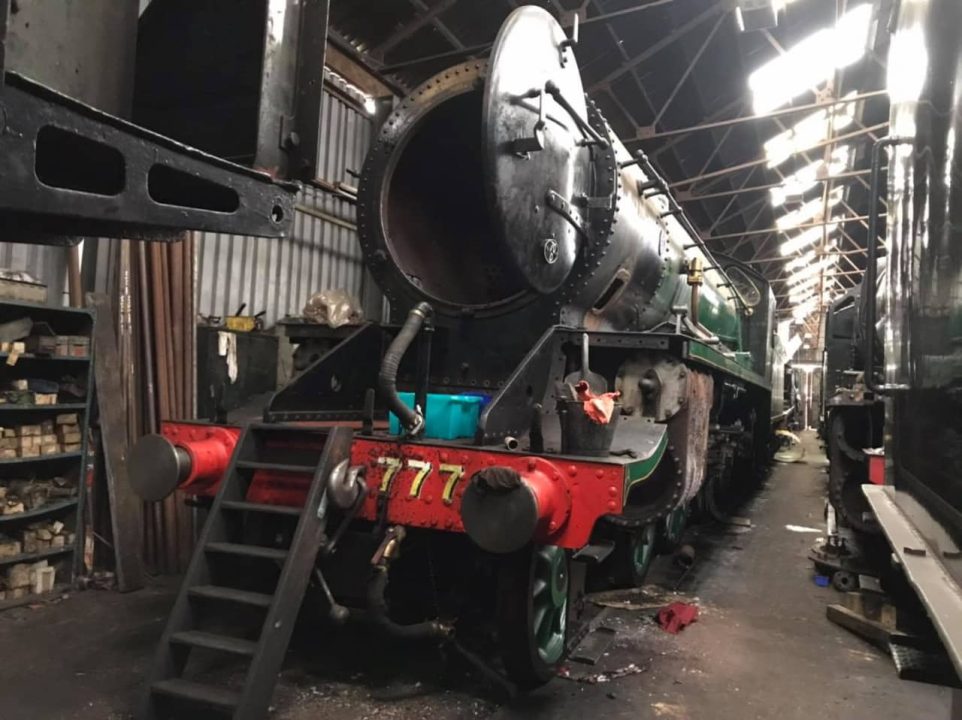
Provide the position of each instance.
(126, 511)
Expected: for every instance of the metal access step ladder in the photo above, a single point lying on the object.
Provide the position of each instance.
(230, 556)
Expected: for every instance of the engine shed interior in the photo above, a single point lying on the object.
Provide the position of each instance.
(401, 358)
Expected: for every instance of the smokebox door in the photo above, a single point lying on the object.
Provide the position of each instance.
(533, 152)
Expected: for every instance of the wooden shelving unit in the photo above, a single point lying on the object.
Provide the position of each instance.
(65, 513)
(40, 408)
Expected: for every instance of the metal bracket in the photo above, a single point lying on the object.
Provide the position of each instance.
(592, 135)
(602, 202)
(564, 209)
(535, 143)
(569, 42)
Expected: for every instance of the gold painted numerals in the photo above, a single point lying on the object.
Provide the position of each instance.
(422, 470)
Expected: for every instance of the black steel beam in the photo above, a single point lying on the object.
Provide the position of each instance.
(4, 17)
(70, 169)
(309, 87)
(669, 39)
(405, 31)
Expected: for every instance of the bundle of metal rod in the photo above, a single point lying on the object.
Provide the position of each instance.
(166, 307)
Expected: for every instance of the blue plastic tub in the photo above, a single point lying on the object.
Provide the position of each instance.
(448, 416)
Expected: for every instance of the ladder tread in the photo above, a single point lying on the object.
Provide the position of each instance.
(288, 428)
(276, 467)
(241, 597)
(215, 641)
(250, 551)
(197, 692)
(200, 590)
(244, 506)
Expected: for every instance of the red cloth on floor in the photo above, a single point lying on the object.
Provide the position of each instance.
(598, 408)
(677, 616)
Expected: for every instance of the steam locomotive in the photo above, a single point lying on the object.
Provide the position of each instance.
(852, 416)
(919, 506)
(523, 250)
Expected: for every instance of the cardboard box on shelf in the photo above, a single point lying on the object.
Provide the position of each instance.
(10, 547)
(12, 507)
(29, 541)
(68, 419)
(43, 580)
(68, 433)
(18, 575)
(79, 346)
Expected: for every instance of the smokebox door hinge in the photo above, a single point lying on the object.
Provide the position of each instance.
(565, 210)
(602, 202)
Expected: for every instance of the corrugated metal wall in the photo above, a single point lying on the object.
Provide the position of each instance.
(278, 276)
(46, 263)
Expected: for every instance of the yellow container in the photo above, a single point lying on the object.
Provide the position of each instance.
(240, 323)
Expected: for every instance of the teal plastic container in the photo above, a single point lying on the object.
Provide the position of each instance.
(449, 417)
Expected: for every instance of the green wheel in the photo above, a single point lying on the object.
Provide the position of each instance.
(532, 613)
(632, 556)
(672, 530)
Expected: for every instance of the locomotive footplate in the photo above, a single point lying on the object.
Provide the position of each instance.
(422, 484)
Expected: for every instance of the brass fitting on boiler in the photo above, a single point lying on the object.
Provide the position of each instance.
(695, 271)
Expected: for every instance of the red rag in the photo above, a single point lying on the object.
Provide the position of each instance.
(598, 408)
(676, 616)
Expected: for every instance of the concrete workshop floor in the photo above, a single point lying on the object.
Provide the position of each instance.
(761, 648)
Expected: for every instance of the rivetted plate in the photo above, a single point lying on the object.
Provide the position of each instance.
(528, 54)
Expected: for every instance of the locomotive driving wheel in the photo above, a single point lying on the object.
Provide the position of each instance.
(672, 529)
(532, 613)
(632, 556)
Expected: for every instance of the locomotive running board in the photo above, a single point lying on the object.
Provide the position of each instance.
(931, 559)
(546, 359)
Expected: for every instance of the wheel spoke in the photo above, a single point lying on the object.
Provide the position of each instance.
(538, 622)
(539, 588)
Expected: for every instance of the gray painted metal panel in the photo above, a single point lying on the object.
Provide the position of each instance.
(279, 275)
(46, 263)
(83, 49)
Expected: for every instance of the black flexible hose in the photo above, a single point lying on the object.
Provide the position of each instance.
(378, 613)
(410, 419)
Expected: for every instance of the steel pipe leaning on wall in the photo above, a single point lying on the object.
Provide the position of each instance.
(497, 185)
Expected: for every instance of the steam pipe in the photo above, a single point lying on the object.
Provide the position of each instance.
(412, 420)
(377, 609)
(871, 263)
(657, 181)
(378, 613)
